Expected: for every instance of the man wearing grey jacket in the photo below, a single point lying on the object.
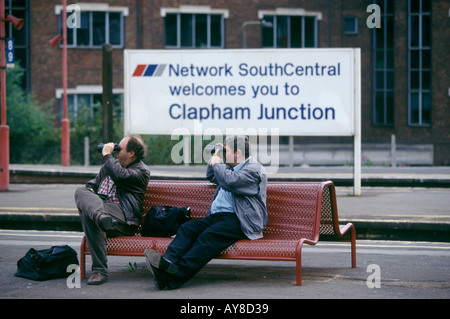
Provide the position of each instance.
(238, 211)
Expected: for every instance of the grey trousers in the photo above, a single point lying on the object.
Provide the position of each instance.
(90, 206)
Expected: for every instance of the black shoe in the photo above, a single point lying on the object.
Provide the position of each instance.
(153, 258)
(107, 223)
(159, 280)
(160, 283)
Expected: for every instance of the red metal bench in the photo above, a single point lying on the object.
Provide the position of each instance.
(299, 212)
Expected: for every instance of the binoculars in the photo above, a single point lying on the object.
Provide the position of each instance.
(213, 148)
(100, 147)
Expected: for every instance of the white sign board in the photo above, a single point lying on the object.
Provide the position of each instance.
(294, 92)
(301, 92)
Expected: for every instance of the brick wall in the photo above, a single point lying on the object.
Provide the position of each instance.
(144, 28)
(84, 65)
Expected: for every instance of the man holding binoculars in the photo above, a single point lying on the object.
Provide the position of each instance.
(110, 205)
(238, 211)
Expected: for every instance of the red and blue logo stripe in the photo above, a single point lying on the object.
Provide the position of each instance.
(149, 70)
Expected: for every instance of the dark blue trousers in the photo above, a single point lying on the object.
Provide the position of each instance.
(197, 242)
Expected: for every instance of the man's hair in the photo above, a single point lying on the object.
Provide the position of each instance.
(136, 144)
(239, 142)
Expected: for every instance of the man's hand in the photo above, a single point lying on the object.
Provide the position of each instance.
(216, 158)
(108, 149)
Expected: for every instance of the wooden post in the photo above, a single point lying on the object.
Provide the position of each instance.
(65, 123)
(107, 98)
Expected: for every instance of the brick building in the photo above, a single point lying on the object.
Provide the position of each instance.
(404, 63)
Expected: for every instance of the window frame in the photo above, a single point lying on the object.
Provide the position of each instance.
(419, 48)
(385, 70)
(194, 11)
(90, 9)
(275, 26)
(194, 35)
(354, 21)
(290, 13)
(73, 105)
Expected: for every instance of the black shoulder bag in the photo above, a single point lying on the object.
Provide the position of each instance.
(164, 221)
(47, 264)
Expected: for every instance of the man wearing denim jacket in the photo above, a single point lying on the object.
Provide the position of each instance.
(238, 211)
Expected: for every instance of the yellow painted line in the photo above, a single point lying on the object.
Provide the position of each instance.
(387, 221)
(347, 245)
(384, 218)
(383, 246)
(319, 244)
(37, 208)
(75, 210)
(366, 175)
(40, 235)
(432, 216)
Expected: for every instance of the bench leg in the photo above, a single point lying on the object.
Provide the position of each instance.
(353, 243)
(299, 272)
(298, 263)
(83, 258)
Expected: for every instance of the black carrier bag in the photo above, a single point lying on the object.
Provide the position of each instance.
(164, 221)
(47, 264)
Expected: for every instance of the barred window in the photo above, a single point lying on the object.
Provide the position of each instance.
(383, 66)
(191, 30)
(419, 62)
(95, 29)
(289, 31)
(84, 105)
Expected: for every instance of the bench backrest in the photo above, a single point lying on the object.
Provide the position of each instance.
(295, 208)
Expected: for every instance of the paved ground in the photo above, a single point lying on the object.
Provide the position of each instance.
(415, 268)
(430, 176)
(406, 270)
(407, 213)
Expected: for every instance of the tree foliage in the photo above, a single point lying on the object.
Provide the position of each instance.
(35, 132)
(33, 137)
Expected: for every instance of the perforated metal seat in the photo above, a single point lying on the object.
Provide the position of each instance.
(298, 213)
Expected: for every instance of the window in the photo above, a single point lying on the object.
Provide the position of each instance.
(289, 31)
(96, 28)
(85, 102)
(419, 62)
(383, 66)
(192, 30)
(351, 25)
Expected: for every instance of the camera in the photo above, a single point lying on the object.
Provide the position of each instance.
(213, 148)
(100, 147)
